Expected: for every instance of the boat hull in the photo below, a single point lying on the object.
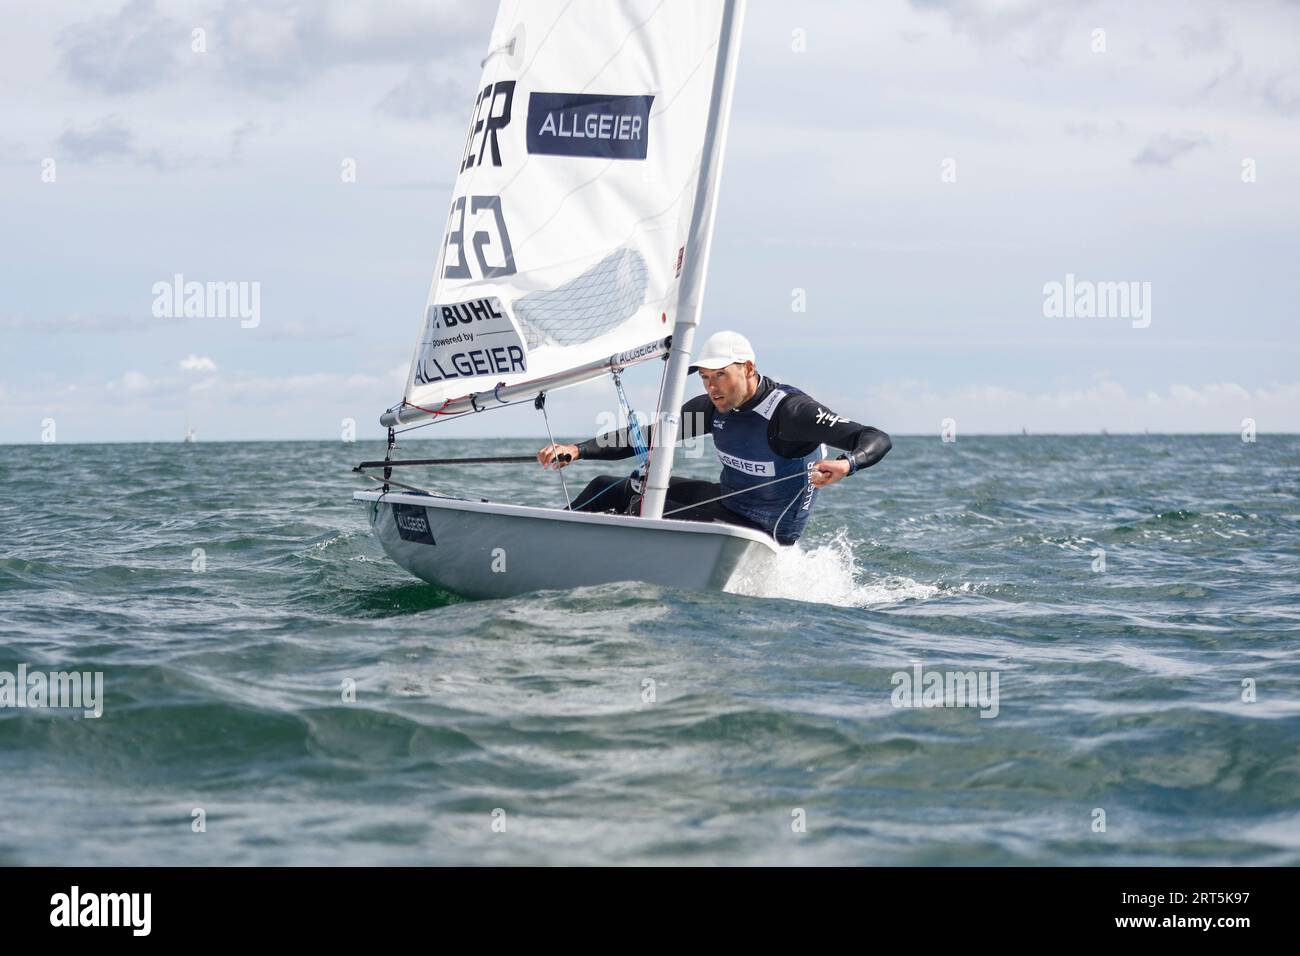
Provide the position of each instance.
(491, 550)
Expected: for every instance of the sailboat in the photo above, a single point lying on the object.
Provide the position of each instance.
(576, 246)
(190, 434)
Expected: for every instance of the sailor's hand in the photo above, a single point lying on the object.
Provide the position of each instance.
(828, 472)
(551, 455)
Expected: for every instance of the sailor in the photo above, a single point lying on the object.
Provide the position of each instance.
(769, 437)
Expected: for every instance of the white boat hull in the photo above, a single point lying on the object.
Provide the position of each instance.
(491, 550)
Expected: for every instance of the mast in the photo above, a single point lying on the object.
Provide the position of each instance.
(699, 238)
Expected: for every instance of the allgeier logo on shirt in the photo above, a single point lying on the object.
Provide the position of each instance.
(747, 466)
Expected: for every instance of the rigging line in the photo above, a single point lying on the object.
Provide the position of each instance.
(439, 416)
(486, 460)
(541, 404)
(432, 421)
(822, 453)
(776, 527)
(432, 411)
(706, 501)
(423, 491)
(634, 436)
(612, 484)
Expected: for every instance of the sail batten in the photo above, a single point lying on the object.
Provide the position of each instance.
(573, 215)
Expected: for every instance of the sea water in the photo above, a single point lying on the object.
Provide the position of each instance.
(1043, 650)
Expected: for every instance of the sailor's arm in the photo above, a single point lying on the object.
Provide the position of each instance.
(616, 445)
(802, 420)
(865, 447)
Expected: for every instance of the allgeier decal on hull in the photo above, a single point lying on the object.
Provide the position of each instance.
(413, 523)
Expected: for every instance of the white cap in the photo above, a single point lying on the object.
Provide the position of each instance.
(722, 349)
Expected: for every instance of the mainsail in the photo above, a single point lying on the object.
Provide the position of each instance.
(577, 199)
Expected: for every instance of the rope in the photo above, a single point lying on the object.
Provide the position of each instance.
(507, 48)
(708, 501)
(776, 527)
(401, 462)
(432, 411)
(541, 404)
(390, 481)
(612, 484)
(437, 414)
(634, 435)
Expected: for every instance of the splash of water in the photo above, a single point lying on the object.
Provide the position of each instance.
(826, 573)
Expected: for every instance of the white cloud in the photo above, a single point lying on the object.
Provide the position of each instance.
(421, 95)
(134, 49)
(107, 139)
(130, 382)
(198, 363)
(279, 43)
(1165, 149)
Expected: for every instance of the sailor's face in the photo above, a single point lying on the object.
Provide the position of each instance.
(726, 386)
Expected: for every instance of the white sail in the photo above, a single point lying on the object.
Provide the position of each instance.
(571, 219)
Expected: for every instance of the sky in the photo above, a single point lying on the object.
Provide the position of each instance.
(914, 173)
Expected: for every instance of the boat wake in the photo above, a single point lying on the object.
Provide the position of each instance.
(826, 573)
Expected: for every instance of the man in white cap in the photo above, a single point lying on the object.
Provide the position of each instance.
(769, 437)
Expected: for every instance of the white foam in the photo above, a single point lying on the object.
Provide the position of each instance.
(826, 573)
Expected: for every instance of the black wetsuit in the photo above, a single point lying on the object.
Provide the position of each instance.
(796, 429)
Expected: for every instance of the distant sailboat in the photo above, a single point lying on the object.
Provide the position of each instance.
(579, 228)
(190, 434)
